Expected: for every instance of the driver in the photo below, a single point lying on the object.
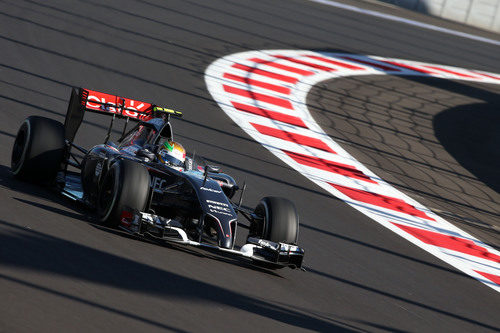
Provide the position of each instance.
(172, 154)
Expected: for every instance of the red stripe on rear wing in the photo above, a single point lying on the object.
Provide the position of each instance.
(96, 101)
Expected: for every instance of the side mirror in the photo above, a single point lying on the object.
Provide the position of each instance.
(212, 169)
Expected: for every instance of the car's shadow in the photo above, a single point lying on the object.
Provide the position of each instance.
(211, 254)
(7, 181)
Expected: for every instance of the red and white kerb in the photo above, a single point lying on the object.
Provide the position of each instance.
(265, 93)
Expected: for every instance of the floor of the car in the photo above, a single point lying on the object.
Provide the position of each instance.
(73, 186)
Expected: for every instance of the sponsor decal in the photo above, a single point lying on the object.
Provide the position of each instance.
(210, 189)
(215, 211)
(265, 243)
(98, 169)
(218, 207)
(189, 164)
(158, 184)
(111, 102)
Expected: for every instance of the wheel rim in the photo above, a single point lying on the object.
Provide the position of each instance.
(260, 229)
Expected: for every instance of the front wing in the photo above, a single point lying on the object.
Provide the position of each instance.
(260, 250)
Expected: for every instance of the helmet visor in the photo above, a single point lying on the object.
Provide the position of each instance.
(167, 158)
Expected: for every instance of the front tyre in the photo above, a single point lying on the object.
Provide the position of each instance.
(38, 149)
(125, 187)
(277, 221)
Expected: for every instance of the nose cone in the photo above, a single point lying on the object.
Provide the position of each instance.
(226, 241)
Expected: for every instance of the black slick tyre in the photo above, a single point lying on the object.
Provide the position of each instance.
(38, 149)
(279, 220)
(125, 187)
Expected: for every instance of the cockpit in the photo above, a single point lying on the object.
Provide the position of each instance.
(152, 132)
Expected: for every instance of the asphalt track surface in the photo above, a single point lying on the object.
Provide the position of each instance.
(60, 271)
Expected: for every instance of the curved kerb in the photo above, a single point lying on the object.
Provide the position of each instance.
(265, 93)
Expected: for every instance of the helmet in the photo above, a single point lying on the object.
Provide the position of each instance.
(172, 153)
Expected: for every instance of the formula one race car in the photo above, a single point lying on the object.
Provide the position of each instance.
(146, 185)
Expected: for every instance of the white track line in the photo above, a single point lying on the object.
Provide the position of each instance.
(284, 126)
(406, 21)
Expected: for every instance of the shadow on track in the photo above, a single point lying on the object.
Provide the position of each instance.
(402, 299)
(7, 180)
(381, 249)
(471, 134)
(8, 134)
(89, 303)
(109, 69)
(56, 210)
(29, 249)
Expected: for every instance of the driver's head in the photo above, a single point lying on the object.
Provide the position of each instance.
(172, 153)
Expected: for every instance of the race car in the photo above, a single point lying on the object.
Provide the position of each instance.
(146, 185)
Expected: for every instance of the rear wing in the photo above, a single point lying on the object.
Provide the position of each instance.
(83, 100)
(95, 101)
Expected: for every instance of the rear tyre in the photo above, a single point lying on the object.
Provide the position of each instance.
(38, 149)
(125, 187)
(279, 221)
